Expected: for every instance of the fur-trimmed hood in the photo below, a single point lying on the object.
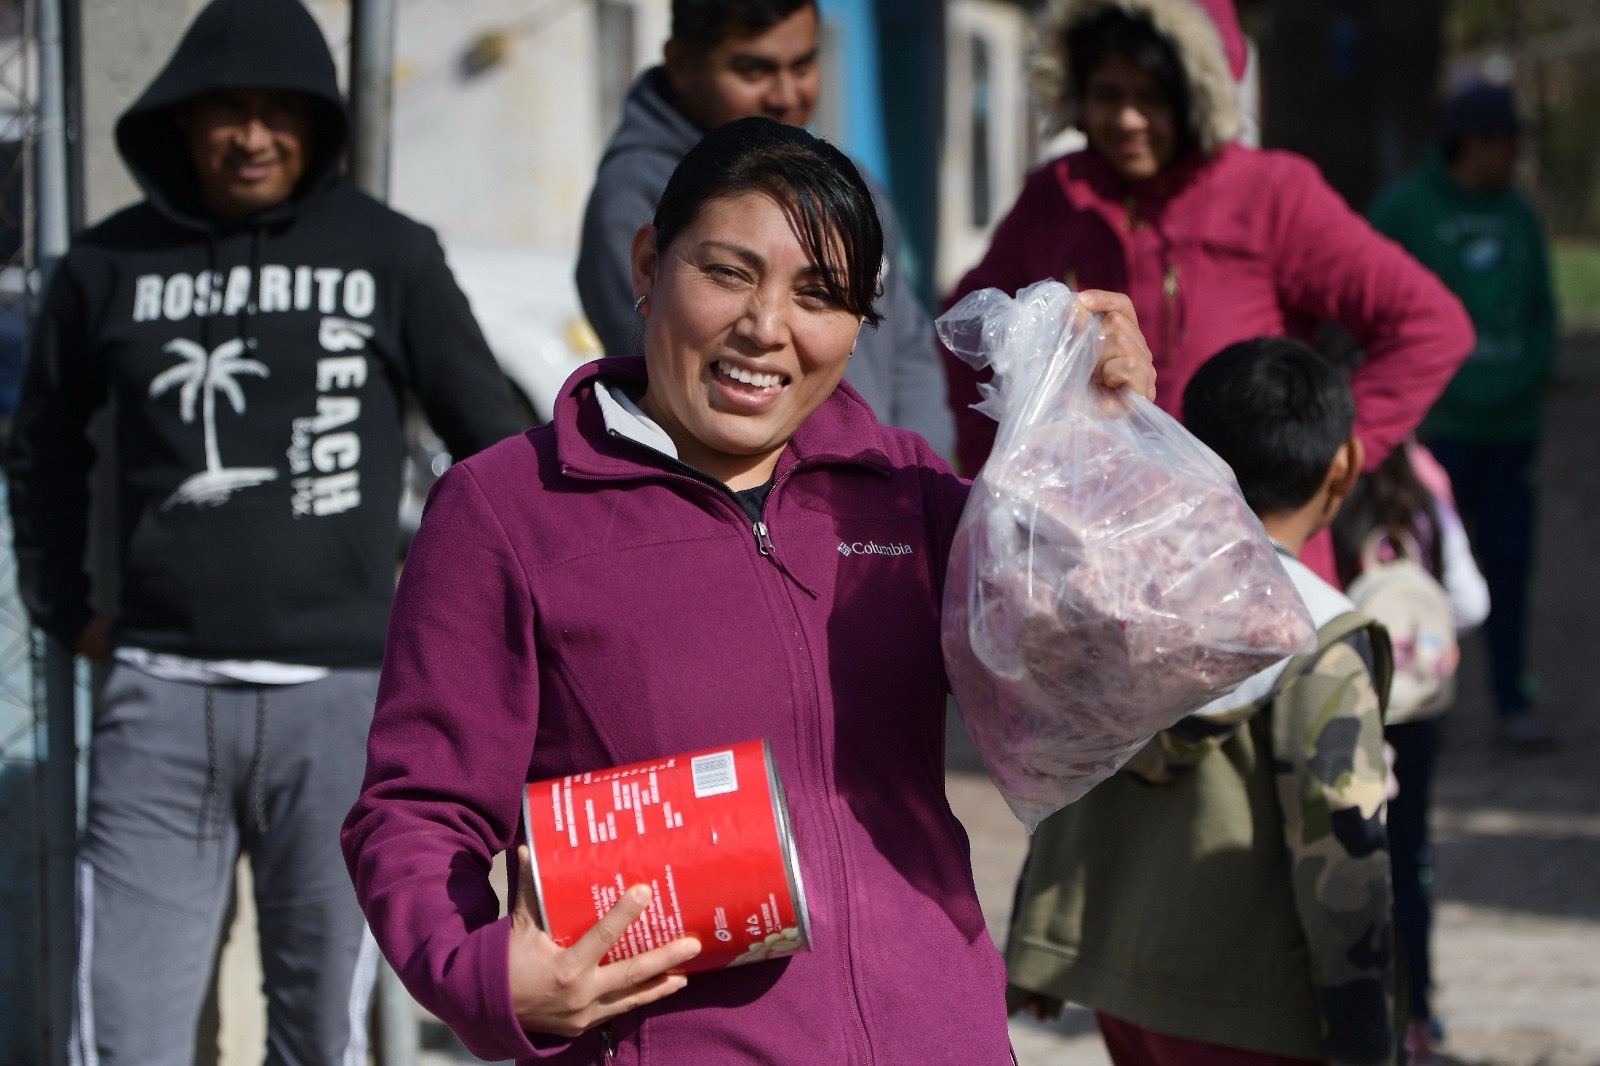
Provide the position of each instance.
(1208, 41)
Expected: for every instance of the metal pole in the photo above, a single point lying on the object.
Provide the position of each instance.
(57, 742)
(50, 160)
(399, 1030)
(371, 103)
(371, 93)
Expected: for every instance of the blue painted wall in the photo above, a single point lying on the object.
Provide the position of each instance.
(856, 53)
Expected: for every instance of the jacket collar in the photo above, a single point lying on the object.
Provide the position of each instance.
(1436, 171)
(1088, 180)
(843, 430)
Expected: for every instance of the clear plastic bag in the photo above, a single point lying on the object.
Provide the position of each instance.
(1106, 577)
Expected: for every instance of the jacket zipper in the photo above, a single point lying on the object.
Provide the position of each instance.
(758, 527)
(764, 544)
(1169, 298)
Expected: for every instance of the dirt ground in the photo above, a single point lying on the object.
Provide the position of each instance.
(1517, 840)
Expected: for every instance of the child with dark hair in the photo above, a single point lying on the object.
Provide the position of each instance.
(1225, 898)
(1404, 509)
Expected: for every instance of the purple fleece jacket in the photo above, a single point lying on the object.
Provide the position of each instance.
(573, 601)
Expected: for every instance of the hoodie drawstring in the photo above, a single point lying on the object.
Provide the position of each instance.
(217, 289)
(258, 239)
(213, 278)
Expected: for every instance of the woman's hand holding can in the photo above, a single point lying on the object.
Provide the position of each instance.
(565, 991)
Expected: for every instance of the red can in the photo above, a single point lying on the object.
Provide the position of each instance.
(708, 831)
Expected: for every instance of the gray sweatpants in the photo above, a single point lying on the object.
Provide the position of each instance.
(181, 777)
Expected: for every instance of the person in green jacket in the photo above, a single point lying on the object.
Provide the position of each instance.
(1460, 215)
(1224, 899)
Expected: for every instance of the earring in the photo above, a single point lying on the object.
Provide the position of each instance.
(638, 305)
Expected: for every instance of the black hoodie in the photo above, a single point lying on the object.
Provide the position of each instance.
(256, 370)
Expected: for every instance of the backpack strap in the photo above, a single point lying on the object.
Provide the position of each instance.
(1335, 630)
(1178, 748)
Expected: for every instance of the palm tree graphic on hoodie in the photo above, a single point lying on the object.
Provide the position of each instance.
(199, 378)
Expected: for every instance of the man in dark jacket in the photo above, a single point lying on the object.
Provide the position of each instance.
(729, 59)
(254, 324)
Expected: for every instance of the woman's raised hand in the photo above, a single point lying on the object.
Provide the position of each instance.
(565, 991)
(1125, 361)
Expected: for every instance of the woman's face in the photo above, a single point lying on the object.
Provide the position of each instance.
(1127, 119)
(741, 339)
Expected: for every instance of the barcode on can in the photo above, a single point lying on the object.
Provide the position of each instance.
(713, 774)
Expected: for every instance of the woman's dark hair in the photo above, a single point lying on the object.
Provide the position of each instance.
(819, 188)
(704, 24)
(1276, 412)
(1392, 500)
(1113, 31)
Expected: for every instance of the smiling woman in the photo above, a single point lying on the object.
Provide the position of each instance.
(712, 543)
(1214, 241)
(752, 304)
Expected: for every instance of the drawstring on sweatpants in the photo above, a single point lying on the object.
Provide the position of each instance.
(258, 763)
(211, 814)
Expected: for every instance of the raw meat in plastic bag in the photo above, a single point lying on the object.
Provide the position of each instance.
(1106, 577)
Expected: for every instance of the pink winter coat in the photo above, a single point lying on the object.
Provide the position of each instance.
(1218, 249)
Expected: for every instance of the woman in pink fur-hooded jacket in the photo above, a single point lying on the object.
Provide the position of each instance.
(1214, 241)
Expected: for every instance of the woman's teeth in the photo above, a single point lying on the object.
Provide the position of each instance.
(750, 377)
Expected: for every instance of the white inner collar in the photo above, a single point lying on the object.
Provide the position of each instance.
(625, 418)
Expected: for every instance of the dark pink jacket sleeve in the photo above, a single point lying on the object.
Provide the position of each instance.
(1333, 265)
(1010, 263)
(447, 759)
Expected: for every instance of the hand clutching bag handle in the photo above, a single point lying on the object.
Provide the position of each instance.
(1106, 576)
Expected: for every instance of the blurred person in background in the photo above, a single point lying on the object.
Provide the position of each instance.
(729, 59)
(256, 322)
(1214, 241)
(1461, 216)
(1404, 510)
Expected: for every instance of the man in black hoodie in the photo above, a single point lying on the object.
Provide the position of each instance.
(254, 324)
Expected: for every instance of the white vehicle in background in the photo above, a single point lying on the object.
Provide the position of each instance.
(527, 305)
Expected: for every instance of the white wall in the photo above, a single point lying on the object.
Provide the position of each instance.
(124, 43)
(503, 157)
(506, 155)
(1004, 28)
